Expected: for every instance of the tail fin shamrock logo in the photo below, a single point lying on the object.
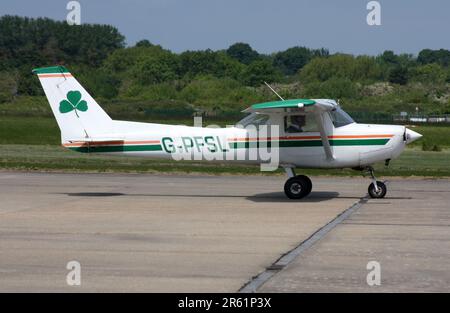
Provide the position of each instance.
(73, 103)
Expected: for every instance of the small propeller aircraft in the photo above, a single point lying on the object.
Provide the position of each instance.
(313, 133)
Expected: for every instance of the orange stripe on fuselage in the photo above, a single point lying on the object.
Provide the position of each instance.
(274, 138)
(360, 136)
(110, 143)
(313, 137)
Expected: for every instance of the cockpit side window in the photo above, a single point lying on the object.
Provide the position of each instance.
(300, 123)
(340, 118)
(254, 119)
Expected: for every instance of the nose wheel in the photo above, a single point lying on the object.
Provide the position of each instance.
(377, 189)
(297, 186)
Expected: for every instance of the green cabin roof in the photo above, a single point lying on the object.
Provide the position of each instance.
(51, 70)
(285, 104)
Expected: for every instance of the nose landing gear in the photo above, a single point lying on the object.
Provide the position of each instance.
(377, 189)
(297, 186)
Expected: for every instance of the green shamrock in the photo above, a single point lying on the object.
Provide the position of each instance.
(73, 103)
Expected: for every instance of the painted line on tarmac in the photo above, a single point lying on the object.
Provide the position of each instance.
(256, 282)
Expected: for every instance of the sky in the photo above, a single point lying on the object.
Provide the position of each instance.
(407, 26)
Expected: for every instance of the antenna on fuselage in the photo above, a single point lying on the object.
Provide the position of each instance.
(274, 91)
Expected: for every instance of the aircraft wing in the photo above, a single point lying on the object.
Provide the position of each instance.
(274, 106)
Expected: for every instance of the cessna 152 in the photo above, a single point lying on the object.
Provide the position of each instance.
(313, 133)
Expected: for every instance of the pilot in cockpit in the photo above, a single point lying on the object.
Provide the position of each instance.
(295, 123)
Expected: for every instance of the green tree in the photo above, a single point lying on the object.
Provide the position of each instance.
(208, 62)
(154, 69)
(440, 56)
(144, 65)
(292, 59)
(28, 84)
(8, 86)
(144, 43)
(362, 68)
(242, 52)
(99, 82)
(219, 94)
(429, 74)
(334, 88)
(42, 41)
(259, 71)
(389, 57)
(398, 75)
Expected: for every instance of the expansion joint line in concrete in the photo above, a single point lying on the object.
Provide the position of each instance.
(257, 281)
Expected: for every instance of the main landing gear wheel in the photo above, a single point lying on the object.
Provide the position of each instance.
(377, 189)
(298, 187)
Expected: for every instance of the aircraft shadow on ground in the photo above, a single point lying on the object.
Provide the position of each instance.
(315, 196)
(94, 194)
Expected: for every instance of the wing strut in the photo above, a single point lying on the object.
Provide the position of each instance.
(324, 136)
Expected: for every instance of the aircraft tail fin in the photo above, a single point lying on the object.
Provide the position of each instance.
(78, 115)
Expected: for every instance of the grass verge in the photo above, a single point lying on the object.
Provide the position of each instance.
(412, 162)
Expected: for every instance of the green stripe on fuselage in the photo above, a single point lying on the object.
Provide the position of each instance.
(236, 145)
(313, 143)
(121, 148)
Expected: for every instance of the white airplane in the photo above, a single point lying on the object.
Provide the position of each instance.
(313, 133)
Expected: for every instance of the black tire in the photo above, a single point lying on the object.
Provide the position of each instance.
(381, 190)
(308, 181)
(297, 187)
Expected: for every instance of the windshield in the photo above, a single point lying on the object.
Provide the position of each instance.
(253, 119)
(340, 118)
